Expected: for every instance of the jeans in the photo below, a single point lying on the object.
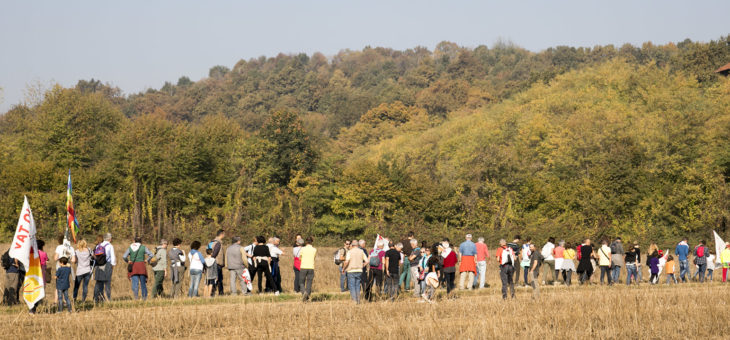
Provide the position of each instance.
(505, 274)
(568, 276)
(139, 280)
(525, 271)
(702, 269)
(63, 295)
(234, 275)
(615, 273)
(709, 274)
(683, 267)
(671, 277)
(605, 270)
(306, 277)
(296, 281)
(391, 285)
(343, 280)
(195, 276)
(481, 272)
(353, 281)
(83, 281)
(159, 279)
(99, 289)
(405, 275)
(630, 271)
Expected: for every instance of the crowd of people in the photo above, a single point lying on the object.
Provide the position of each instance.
(383, 272)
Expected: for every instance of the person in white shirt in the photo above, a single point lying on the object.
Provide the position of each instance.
(547, 254)
(273, 245)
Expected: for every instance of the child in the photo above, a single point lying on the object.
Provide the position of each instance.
(654, 267)
(63, 274)
(211, 272)
(669, 267)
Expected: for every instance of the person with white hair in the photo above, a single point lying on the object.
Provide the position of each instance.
(413, 258)
(482, 257)
(468, 266)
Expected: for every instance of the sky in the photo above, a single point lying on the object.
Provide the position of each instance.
(137, 45)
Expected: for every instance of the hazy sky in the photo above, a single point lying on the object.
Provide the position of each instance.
(140, 44)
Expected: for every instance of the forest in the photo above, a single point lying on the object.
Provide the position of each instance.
(630, 141)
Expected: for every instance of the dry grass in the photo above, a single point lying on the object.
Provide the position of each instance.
(676, 311)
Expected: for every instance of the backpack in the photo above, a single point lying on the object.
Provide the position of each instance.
(577, 249)
(614, 248)
(100, 255)
(337, 257)
(700, 251)
(211, 244)
(7, 261)
(375, 259)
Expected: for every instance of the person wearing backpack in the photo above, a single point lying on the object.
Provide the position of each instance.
(134, 257)
(104, 260)
(339, 260)
(216, 245)
(375, 276)
(506, 260)
(701, 259)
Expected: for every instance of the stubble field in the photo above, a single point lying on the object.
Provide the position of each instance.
(648, 312)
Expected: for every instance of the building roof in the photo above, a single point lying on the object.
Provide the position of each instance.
(725, 68)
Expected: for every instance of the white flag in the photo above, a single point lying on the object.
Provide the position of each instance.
(719, 246)
(24, 239)
(385, 241)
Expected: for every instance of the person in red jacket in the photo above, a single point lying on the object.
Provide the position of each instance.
(449, 269)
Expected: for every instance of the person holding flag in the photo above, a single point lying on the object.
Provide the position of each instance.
(73, 224)
(24, 250)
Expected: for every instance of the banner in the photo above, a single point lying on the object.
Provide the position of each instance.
(385, 241)
(719, 246)
(25, 250)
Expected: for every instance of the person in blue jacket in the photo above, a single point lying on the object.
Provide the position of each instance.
(682, 250)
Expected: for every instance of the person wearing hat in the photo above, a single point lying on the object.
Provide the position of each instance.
(468, 266)
(159, 268)
(725, 260)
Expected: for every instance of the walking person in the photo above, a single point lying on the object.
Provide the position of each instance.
(197, 265)
(682, 251)
(468, 265)
(506, 259)
(275, 252)
(63, 277)
(177, 267)
(536, 260)
(585, 267)
(159, 268)
(134, 256)
(307, 256)
(297, 262)
(216, 245)
(700, 260)
(525, 260)
(262, 259)
(104, 262)
(482, 257)
(725, 261)
(339, 259)
(355, 260)
(669, 269)
(654, 268)
(558, 255)
(236, 261)
(392, 270)
(375, 276)
(570, 255)
(414, 257)
(515, 246)
(630, 260)
(83, 270)
(617, 259)
(710, 265)
(604, 261)
(449, 267)
(549, 261)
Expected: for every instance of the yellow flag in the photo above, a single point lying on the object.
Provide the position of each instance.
(33, 290)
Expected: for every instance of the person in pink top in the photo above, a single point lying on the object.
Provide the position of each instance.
(559, 258)
(482, 256)
(43, 257)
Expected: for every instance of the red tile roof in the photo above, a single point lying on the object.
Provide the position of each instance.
(724, 68)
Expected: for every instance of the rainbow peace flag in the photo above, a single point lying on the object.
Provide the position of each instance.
(73, 225)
